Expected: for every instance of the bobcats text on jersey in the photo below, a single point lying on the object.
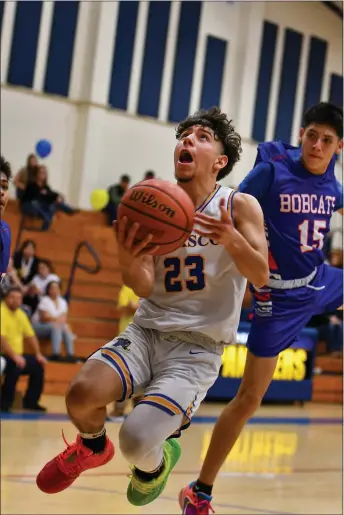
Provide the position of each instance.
(307, 203)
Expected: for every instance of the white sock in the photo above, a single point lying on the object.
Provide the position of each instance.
(90, 436)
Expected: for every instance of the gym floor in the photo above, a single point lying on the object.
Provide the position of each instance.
(287, 461)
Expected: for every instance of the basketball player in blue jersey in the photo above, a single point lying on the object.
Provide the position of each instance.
(298, 192)
(5, 232)
(189, 309)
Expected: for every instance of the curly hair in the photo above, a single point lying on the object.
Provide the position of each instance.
(223, 130)
(5, 168)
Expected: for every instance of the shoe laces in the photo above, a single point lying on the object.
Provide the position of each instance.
(144, 487)
(75, 448)
(203, 506)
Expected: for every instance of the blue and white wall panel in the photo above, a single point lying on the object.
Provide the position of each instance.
(108, 81)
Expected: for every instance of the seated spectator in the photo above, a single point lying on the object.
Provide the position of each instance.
(333, 331)
(330, 330)
(127, 304)
(116, 193)
(36, 289)
(15, 330)
(25, 175)
(44, 276)
(336, 251)
(25, 261)
(50, 321)
(149, 175)
(10, 280)
(335, 334)
(40, 200)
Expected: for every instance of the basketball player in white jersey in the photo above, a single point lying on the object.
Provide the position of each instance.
(189, 310)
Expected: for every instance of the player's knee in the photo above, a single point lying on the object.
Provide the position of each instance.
(79, 394)
(248, 401)
(132, 442)
(87, 392)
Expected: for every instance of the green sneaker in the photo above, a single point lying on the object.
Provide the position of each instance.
(141, 492)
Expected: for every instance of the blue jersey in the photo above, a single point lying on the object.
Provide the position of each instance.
(5, 247)
(297, 207)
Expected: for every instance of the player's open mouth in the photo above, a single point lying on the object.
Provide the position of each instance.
(185, 157)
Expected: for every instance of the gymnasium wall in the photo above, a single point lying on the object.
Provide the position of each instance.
(106, 82)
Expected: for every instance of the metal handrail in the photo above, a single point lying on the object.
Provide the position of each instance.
(23, 228)
(86, 268)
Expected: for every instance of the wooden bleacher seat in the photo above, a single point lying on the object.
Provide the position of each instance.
(93, 314)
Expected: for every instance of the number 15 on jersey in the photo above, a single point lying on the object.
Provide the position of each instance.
(317, 239)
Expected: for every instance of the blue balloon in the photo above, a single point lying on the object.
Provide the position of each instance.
(43, 148)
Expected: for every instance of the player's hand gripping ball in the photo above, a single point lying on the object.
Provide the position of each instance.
(162, 209)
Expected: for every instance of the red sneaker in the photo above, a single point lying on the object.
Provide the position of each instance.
(59, 473)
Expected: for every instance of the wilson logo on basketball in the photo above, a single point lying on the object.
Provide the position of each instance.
(151, 201)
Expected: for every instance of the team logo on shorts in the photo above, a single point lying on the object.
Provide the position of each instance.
(122, 342)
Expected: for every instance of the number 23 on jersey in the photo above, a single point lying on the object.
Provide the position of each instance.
(192, 280)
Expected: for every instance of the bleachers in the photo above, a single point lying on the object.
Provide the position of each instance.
(93, 314)
(328, 387)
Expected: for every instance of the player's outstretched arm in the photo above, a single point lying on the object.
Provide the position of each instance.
(135, 260)
(244, 239)
(250, 252)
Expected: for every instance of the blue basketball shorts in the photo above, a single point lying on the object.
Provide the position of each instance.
(280, 315)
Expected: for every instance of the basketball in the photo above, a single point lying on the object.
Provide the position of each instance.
(162, 209)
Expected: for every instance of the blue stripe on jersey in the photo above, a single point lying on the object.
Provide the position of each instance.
(231, 199)
(209, 198)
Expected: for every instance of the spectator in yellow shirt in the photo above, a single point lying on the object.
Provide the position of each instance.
(127, 304)
(16, 330)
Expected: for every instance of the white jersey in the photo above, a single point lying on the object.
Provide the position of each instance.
(197, 288)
